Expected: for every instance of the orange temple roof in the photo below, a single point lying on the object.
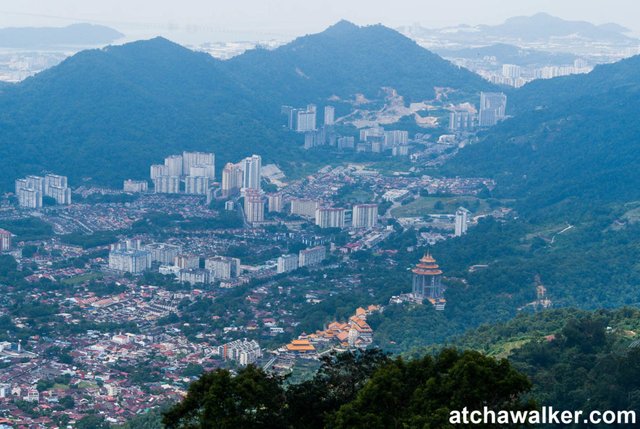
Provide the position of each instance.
(427, 266)
(300, 346)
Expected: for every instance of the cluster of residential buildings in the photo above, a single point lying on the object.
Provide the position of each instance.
(31, 190)
(517, 76)
(493, 106)
(305, 258)
(191, 173)
(131, 256)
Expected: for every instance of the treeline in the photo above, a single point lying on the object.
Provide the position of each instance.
(354, 390)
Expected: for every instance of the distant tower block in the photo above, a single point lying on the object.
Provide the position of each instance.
(427, 282)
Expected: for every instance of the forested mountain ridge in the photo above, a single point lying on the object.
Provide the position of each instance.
(345, 60)
(572, 141)
(110, 113)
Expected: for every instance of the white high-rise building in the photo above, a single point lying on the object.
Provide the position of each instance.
(245, 352)
(275, 203)
(174, 164)
(194, 276)
(20, 184)
(460, 121)
(5, 240)
(493, 107)
(306, 121)
(167, 185)
(61, 195)
(251, 168)
(329, 217)
(135, 185)
(55, 180)
(364, 215)
(395, 138)
(346, 143)
(287, 263)
(163, 253)
(511, 71)
(129, 261)
(368, 134)
(232, 177)
(196, 185)
(199, 159)
(253, 206)
(186, 261)
(54, 186)
(461, 220)
(158, 170)
(223, 267)
(312, 256)
(30, 198)
(329, 115)
(305, 208)
(36, 182)
(201, 171)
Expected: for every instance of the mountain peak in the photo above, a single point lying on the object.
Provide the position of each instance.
(341, 27)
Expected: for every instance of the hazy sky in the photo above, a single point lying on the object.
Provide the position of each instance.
(213, 20)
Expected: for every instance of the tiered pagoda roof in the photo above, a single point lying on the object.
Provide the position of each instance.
(427, 266)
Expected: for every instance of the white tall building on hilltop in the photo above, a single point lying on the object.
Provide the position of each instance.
(251, 167)
(461, 221)
(493, 106)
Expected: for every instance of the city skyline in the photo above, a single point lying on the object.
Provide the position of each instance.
(196, 21)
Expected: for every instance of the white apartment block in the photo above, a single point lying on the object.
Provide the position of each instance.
(329, 217)
(251, 169)
(135, 186)
(5, 240)
(158, 170)
(187, 261)
(312, 256)
(163, 253)
(364, 215)
(129, 261)
(206, 160)
(194, 276)
(232, 177)
(275, 203)
(305, 208)
(196, 185)
(461, 221)
(244, 351)
(167, 185)
(174, 165)
(253, 206)
(287, 263)
(222, 267)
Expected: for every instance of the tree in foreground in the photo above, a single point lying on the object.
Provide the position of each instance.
(364, 389)
(421, 393)
(251, 399)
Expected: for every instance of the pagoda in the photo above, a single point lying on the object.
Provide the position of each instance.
(427, 282)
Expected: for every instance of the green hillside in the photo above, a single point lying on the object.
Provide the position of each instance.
(108, 114)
